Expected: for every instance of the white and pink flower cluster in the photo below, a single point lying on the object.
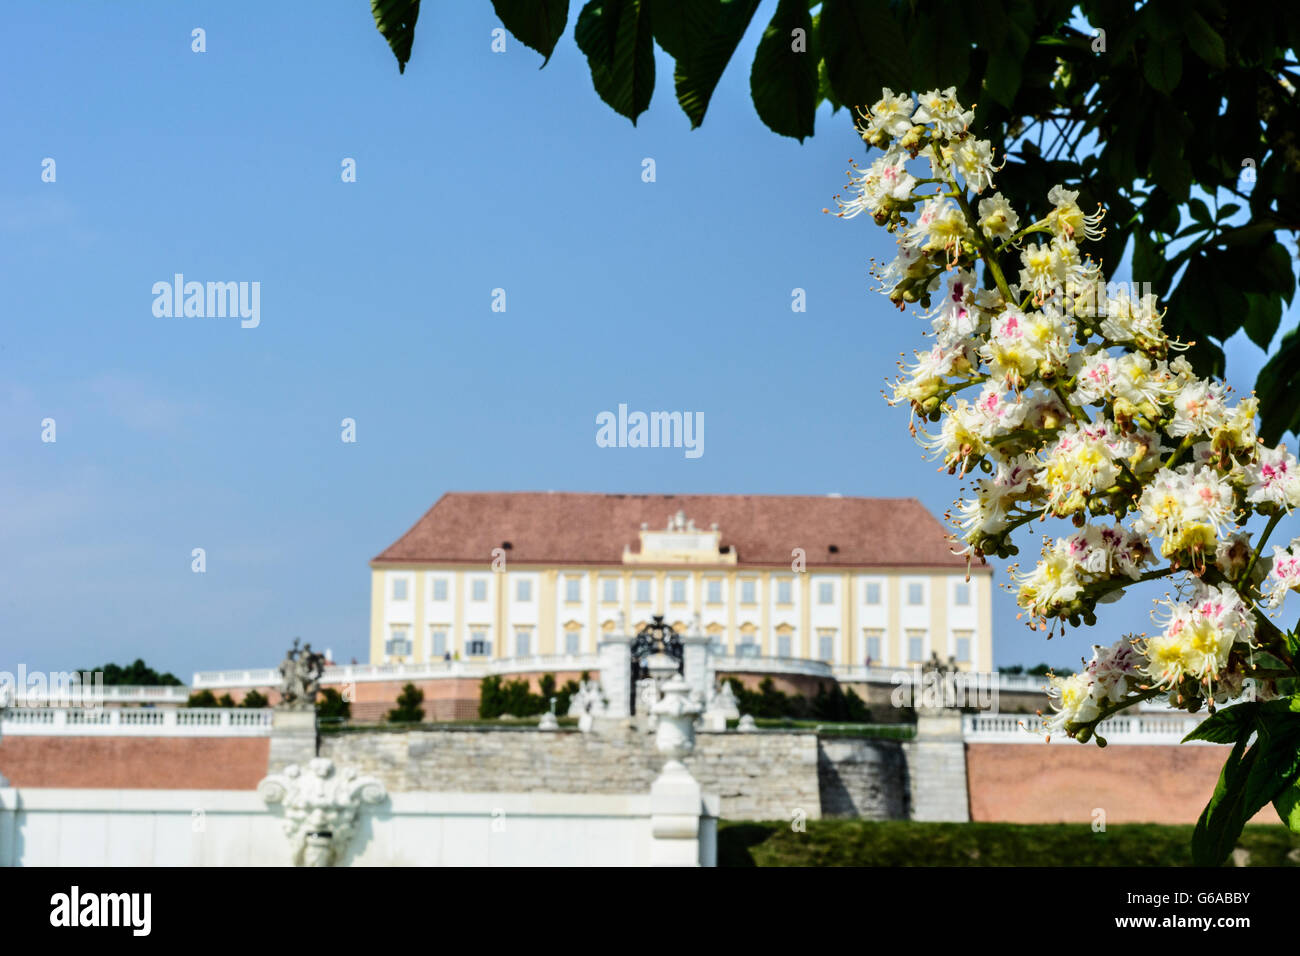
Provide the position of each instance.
(1079, 407)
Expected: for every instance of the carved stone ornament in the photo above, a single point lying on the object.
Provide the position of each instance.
(676, 713)
(321, 808)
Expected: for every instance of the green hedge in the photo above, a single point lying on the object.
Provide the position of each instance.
(906, 843)
(828, 704)
(497, 697)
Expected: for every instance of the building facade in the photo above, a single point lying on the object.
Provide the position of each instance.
(846, 581)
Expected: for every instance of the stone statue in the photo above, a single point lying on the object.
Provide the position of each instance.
(300, 674)
(936, 666)
(588, 700)
(321, 808)
(723, 701)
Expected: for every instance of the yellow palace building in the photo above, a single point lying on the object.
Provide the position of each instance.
(495, 576)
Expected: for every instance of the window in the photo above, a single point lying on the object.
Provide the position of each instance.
(523, 590)
(825, 592)
(716, 646)
(573, 590)
(961, 594)
(610, 588)
(784, 591)
(714, 592)
(399, 589)
(643, 590)
(963, 646)
(438, 641)
(440, 589)
(479, 645)
(783, 645)
(826, 646)
(748, 645)
(572, 640)
(749, 591)
(679, 590)
(915, 593)
(523, 642)
(873, 592)
(915, 647)
(478, 590)
(399, 643)
(875, 639)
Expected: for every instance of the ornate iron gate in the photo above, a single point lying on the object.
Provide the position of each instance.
(656, 637)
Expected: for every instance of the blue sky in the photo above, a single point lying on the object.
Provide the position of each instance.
(475, 171)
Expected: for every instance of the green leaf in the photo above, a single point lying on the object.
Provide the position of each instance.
(824, 91)
(535, 23)
(1200, 212)
(1276, 387)
(1002, 78)
(1163, 66)
(1287, 804)
(864, 50)
(396, 21)
(1278, 763)
(1227, 725)
(701, 35)
(1207, 301)
(783, 78)
(1222, 819)
(1262, 317)
(1204, 40)
(1275, 265)
(617, 39)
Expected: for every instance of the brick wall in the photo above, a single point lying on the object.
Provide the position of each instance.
(135, 763)
(1064, 783)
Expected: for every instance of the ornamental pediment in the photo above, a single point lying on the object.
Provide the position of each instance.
(680, 542)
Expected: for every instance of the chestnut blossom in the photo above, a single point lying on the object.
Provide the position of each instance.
(1058, 395)
(1284, 575)
(1274, 478)
(1198, 637)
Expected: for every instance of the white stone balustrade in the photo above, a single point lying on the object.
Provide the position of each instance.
(135, 722)
(1141, 728)
(424, 670)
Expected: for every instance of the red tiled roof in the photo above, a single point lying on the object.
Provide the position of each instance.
(563, 528)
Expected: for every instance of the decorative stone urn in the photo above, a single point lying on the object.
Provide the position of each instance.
(321, 808)
(675, 795)
(676, 713)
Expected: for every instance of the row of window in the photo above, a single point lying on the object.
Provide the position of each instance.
(915, 595)
(399, 644)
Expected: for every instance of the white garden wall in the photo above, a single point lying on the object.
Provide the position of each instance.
(49, 827)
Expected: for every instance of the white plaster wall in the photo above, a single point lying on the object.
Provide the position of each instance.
(479, 615)
(522, 613)
(873, 616)
(442, 613)
(51, 827)
(824, 617)
(580, 611)
(963, 617)
(914, 617)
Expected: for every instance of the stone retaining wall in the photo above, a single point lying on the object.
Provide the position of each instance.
(758, 776)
